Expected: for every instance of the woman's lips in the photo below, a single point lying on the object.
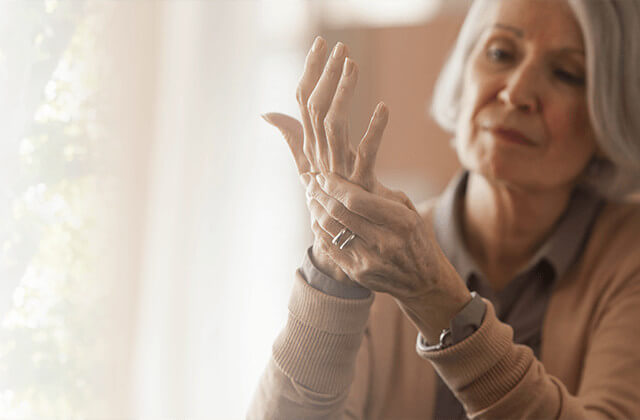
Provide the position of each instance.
(512, 136)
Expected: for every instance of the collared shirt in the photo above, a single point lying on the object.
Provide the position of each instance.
(522, 302)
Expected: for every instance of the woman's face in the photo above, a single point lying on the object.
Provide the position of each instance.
(526, 73)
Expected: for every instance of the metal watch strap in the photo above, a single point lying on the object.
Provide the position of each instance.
(465, 323)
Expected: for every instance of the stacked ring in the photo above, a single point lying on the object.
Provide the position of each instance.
(343, 232)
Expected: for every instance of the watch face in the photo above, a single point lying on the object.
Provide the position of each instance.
(445, 338)
(468, 320)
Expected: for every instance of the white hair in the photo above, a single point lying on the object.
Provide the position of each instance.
(611, 32)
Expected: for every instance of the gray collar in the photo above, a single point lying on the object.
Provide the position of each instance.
(560, 249)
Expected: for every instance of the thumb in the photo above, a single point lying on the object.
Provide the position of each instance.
(293, 133)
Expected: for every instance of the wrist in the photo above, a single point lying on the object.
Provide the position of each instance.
(464, 324)
(325, 264)
(432, 312)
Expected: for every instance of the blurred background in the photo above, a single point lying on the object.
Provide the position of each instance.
(150, 221)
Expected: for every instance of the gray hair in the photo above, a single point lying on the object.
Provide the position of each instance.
(611, 32)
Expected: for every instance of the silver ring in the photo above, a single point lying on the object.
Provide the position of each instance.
(349, 239)
(343, 232)
(336, 239)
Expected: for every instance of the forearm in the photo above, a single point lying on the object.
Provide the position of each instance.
(280, 397)
(494, 378)
(313, 359)
(432, 311)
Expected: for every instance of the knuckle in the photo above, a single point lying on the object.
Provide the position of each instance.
(327, 246)
(333, 208)
(312, 205)
(333, 126)
(400, 195)
(395, 245)
(415, 220)
(404, 199)
(324, 219)
(315, 109)
(322, 243)
(329, 126)
(364, 153)
(385, 246)
(365, 156)
(315, 227)
(307, 149)
(365, 266)
(310, 107)
(302, 95)
(408, 224)
(316, 116)
(333, 70)
(330, 184)
(348, 201)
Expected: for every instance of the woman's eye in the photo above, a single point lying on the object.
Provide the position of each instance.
(569, 78)
(496, 54)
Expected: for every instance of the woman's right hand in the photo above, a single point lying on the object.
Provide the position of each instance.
(320, 144)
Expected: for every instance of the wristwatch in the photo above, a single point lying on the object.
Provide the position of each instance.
(465, 323)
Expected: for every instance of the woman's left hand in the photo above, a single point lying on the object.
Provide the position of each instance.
(394, 251)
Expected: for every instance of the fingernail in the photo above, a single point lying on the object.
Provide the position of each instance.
(348, 66)
(317, 43)
(381, 110)
(338, 50)
(320, 180)
(266, 118)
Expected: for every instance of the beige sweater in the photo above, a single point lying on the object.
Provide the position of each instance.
(341, 358)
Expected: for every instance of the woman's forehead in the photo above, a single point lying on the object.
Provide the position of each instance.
(535, 19)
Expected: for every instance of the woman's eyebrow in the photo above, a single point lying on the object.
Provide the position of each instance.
(569, 50)
(520, 34)
(516, 31)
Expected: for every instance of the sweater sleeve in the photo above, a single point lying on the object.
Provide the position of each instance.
(313, 360)
(327, 284)
(495, 378)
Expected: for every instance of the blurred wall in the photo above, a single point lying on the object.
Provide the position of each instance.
(399, 65)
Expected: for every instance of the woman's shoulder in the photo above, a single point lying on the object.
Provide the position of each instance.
(618, 224)
(613, 248)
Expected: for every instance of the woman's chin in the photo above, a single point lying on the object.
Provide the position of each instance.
(504, 173)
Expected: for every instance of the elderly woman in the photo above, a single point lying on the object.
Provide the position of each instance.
(516, 293)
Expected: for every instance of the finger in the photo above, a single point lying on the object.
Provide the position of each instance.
(370, 206)
(320, 100)
(305, 179)
(336, 123)
(312, 71)
(395, 195)
(293, 133)
(363, 172)
(404, 199)
(332, 214)
(343, 258)
(328, 224)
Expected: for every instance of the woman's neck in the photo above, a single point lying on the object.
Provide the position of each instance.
(503, 228)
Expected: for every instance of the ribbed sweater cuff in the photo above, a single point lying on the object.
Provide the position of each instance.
(319, 344)
(485, 366)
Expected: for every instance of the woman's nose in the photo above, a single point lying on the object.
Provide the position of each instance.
(521, 88)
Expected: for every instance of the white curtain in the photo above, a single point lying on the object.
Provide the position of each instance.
(225, 225)
(151, 222)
